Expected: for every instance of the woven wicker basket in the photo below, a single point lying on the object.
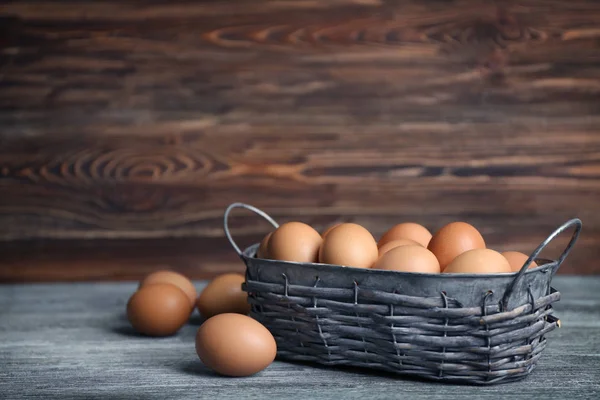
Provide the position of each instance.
(476, 329)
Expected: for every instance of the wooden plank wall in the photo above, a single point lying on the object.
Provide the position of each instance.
(126, 128)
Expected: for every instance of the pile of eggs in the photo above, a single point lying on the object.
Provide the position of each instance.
(456, 248)
(233, 344)
(229, 342)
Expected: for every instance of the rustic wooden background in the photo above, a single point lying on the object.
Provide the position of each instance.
(126, 128)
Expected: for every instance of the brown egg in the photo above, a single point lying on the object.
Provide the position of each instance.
(349, 245)
(158, 309)
(396, 243)
(294, 241)
(453, 240)
(406, 230)
(262, 251)
(235, 345)
(479, 261)
(517, 260)
(409, 258)
(173, 278)
(223, 294)
(326, 232)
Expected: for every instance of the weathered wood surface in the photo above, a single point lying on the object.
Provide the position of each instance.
(72, 341)
(144, 120)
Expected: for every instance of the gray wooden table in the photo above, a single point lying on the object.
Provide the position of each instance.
(73, 341)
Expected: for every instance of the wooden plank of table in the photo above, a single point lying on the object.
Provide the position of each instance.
(73, 341)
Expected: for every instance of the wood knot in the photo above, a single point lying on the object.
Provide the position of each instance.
(504, 17)
(136, 199)
(508, 27)
(492, 65)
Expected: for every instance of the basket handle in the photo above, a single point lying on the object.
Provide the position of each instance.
(575, 222)
(247, 207)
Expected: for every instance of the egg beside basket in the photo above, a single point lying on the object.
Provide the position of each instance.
(475, 329)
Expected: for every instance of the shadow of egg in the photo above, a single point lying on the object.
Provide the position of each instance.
(196, 367)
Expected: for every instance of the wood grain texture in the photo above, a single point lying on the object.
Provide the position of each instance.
(73, 341)
(146, 119)
(114, 260)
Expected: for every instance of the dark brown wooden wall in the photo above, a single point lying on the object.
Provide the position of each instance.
(126, 128)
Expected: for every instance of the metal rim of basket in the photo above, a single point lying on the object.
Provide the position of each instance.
(572, 223)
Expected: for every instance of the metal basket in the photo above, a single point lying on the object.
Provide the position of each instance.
(476, 329)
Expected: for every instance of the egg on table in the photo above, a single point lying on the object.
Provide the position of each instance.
(454, 239)
(174, 278)
(349, 245)
(158, 309)
(223, 294)
(235, 345)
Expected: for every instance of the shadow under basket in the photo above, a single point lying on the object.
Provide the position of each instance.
(475, 329)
